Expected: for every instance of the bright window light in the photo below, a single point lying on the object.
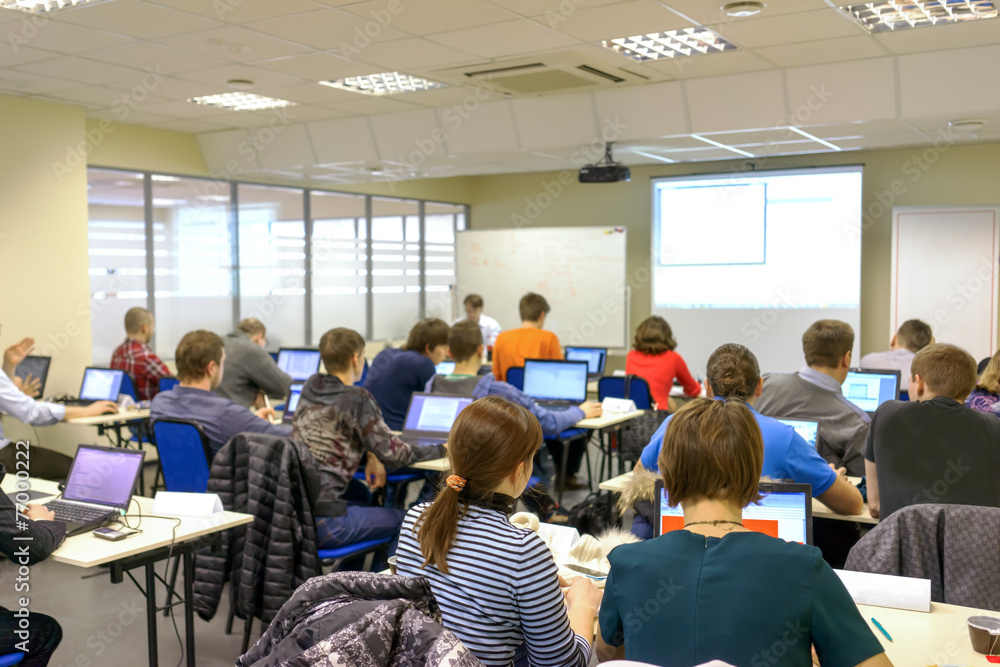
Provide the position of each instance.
(895, 15)
(386, 83)
(45, 6)
(669, 44)
(241, 101)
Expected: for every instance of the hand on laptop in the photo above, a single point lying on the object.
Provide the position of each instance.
(591, 409)
(39, 512)
(100, 408)
(30, 385)
(374, 472)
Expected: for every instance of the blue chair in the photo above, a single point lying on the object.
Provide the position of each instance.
(396, 484)
(10, 659)
(128, 387)
(274, 355)
(185, 454)
(168, 383)
(515, 376)
(364, 374)
(629, 386)
(334, 558)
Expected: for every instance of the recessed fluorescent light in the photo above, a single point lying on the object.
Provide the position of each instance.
(386, 83)
(893, 15)
(815, 138)
(45, 6)
(241, 101)
(669, 44)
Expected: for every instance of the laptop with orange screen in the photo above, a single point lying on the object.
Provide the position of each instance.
(785, 512)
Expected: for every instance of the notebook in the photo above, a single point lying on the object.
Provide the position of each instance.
(445, 368)
(869, 389)
(35, 366)
(99, 384)
(299, 362)
(556, 384)
(784, 512)
(99, 487)
(430, 417)
(596, 358)
(807, 428)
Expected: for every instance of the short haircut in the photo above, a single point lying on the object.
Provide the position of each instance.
(733, 372)
(712, 450)
(251, 326)
(427, 333)
(195, 351)
(532, 307)
(654, 336)
(473, 300)
(946, 370)
(464, 340)
(914, 335)
(826, 342)
(338, 346)
(135, 318)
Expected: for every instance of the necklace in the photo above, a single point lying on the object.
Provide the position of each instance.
(715, 523)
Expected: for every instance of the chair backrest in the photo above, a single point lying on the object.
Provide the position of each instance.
(364, 375)
(11, 659)
(185, 454)
(515, 377)
(128, 387)
(168, 383)
(629, 386)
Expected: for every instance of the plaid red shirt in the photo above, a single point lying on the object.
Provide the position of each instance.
(138, 360)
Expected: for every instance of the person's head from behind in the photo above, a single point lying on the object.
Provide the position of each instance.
(200, 356)
(473, 307)
(465, 341)
(254, 329)
(534, 308)
(712, 451)
(913, 335)
(139, 324)
(490, 448)
(827, 346)
(942, 370)
(733, 372)
(430, 338)
(343, 353)
(654, 336)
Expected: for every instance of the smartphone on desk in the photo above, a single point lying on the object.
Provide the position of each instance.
(110, 534)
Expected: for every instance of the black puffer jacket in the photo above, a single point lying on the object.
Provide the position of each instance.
(359, 618)
(275, 480)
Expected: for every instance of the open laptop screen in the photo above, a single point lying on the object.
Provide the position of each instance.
(292, 404)
(35, 366)
(433, 413)
(555, 380)
(594, 356)
(101, 384)
(300, 363)
(445, 368)
(870, 389)
(103, 475)
(807, 428)
(784, 512)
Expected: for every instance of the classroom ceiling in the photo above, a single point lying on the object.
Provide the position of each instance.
(804, 78)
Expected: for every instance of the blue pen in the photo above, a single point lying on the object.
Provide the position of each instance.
(881, 629)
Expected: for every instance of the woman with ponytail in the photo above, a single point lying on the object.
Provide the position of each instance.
(496, 584)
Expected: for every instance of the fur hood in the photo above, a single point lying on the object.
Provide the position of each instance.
(641, 487)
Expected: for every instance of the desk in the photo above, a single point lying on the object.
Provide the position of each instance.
(144, 550)
(940, 637)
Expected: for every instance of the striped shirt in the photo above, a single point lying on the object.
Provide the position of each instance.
(501, 591)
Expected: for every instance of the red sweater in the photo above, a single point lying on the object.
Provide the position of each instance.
(659, 370)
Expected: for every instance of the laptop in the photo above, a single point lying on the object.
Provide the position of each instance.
(299, 362)
(99, 487)
(99, 384)
(556, 385)
(430, 417)
(784, 512)
(596, 358)
(869, 389)
(807, 428)
(35, 366)
(445, 368)
(292, 404)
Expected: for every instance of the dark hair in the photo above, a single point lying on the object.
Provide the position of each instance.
(733, 372)
(487, 442)
(135, 318)
(464, 340)
(473, 300)
(712, 450)
(532, 307)
(914, 335)
(654, 336)
(826, 342)
(338, 346)
(427, 333)
(947, 370)
(251, 326)
(195, 352)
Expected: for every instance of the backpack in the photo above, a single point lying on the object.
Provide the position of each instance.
(634, 435)
(593, 516)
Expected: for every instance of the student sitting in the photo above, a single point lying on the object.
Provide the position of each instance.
(474, 313)
(654, 360)
(725, 592)
(200, 357)
(815, 393)
(137, 358)
(932, 449)
(395, 374)
(530, 341)
(251, 373)
(986, 396)
(912, 337)
(496, 584)
(733, 373)
(341, 424)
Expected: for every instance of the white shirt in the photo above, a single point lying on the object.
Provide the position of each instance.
(19, 405)
(893, 360)
(489, 326)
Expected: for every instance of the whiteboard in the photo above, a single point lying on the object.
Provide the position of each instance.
(944, 272)
(579, 270)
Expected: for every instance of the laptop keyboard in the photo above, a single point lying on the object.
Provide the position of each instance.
(75, 513)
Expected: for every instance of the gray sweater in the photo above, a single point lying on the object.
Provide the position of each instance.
(249, 368)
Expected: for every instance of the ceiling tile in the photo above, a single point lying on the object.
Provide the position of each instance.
(412, 55)
(217, 76)
(162, 58)
(550, 122)
(704, 154)
(141, 20)
(504, 39)
(328, 29)
(884, 140)
(707, 13)
(316, 67)
(397, 135)
(229, 152)
(306, 93)
(641, 112)
(271, 118)
(430, 16)
(235, 44)
(181, 90)
(342, 140)
(366, 104)
(241, 11)
(823, 51)
(941, 37)
(950, 82)
(188, 126)
(23, 83)
(290, 148)
(713, 64)
(789, 28)
(736, 102)
(66, 38)
(635, 17)
(488, 127)
(842, 92)
(12, 54)
(755, 137)
(107, 98)
(452, 95)
(131, 118)
(183, 110)
(558, 8)
(83, 70)
(859, 129)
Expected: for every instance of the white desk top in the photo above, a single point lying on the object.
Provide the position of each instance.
(124, 416)
(940, 637)
(87, 551)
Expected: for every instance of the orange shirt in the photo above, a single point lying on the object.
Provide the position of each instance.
(516, 345)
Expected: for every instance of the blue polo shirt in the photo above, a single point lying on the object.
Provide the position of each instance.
(786, 454)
